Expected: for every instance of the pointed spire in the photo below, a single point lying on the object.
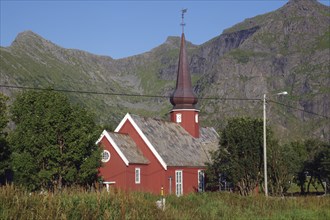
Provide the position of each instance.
(183, 97)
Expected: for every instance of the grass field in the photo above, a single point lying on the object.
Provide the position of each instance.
(16, 203)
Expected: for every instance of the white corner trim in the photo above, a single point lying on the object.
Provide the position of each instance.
(215, 131)
(109, 182)
(188, 110)
(100, 138)
(144, 138)
(123, 122)
(115, 146)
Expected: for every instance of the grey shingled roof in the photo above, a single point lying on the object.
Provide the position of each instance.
(175, 145)
(128, 148)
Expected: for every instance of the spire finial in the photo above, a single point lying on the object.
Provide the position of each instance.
(182, 16)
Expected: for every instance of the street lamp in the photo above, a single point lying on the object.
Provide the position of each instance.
(265, 142)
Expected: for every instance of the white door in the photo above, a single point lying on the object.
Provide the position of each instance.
(178, 183)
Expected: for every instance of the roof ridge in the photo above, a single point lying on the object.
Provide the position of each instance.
(156, 119)
(171, 143)
(171, 122)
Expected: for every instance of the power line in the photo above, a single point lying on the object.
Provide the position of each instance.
(153, 96)
(299, 109)
(79, 91)
(120, 94)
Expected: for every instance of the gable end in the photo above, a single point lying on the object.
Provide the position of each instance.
(115, 146)
(144, 138)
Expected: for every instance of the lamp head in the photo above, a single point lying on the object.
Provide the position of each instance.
(282, 93)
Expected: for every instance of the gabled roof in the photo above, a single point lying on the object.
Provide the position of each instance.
(125, 147)
(129, 148)
(173, 144)
(144, 138)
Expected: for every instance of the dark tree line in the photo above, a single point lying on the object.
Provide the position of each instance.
(52, 144)
(4, 147)
(240, 159)
(314, 164)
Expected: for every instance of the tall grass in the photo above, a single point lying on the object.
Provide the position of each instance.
(16, 203)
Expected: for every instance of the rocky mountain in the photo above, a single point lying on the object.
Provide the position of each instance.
(287, 49)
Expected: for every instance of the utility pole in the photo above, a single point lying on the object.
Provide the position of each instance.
(265, 141)
(265, 148)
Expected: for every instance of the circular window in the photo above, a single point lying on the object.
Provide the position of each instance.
(105, 156)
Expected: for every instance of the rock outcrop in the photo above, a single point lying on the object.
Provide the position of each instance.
(288, 49)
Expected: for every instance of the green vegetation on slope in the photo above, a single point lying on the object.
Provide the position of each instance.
(286, 50)
(244, 56)
(323, 41)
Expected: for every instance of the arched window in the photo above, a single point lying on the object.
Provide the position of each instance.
(105, 156)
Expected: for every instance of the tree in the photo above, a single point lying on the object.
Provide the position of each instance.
(4, 148)
(283, 163)
(53, 143)
(315, 164)
(309, 163)
(239, 156)
(301, 155)
(324, 159)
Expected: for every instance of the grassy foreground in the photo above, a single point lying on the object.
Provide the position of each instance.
(78, 204)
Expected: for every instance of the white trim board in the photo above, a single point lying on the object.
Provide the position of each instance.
(115, 146)
(183, 109)
(144, 138)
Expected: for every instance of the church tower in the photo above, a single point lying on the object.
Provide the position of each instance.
(183, 98)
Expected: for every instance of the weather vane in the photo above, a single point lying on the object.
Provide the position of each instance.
(182, 16)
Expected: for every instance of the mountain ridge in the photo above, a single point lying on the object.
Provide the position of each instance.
(280, 50)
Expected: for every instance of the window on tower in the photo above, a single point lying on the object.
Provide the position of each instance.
(178, 118)
(196, 118)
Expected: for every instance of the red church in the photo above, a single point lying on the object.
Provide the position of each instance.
(146, 154)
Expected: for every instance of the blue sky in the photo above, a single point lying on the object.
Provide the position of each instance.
(124, 28)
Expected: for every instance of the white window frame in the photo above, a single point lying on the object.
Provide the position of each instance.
(137, 175)
(178, 182)
(178, 118)
(196, 118)
(105, 152)
(201, 186)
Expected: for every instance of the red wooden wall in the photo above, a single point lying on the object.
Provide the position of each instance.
(153, 175)
(188, 121)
